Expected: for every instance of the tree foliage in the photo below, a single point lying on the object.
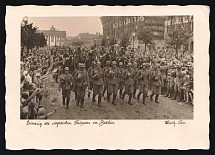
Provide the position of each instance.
(30, 37)
(146, 37)
(177, 38)
(124, 40)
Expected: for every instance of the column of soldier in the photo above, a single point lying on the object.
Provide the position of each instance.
(104, 72)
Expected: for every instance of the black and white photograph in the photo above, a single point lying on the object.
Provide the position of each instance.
(102, 77)
(107, 67)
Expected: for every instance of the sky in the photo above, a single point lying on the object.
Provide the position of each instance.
(72, 25)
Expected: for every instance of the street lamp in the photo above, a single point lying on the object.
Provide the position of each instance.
(133, 35)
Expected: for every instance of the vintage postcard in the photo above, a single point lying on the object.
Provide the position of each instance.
(133, 77)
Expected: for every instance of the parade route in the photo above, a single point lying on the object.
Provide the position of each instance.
(166, 109)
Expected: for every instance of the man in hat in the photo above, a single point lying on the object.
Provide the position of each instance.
(112, 81)
(143, 77)
(65, 84)
(156, 82)
(129, 83)
(82, 83)
(121, 79)
(97, 77)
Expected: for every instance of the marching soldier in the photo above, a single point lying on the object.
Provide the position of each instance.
(106, 68)
(66, 85)
(129, 83)
(136, 81)
(121, 79)
(143, 77)
(82, 82)
(97, 76)
(112, 82)
(90, 77)
(157, 82)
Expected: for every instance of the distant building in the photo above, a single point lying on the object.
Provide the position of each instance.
(55, 37)
(184, 22)
(87, 38)
(117, 26)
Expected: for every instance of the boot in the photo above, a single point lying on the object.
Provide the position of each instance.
(120, 93)
(129, 99)
(114, 99)
(67, 102)
(123, 95)
(170, 94)
(99, 100)
(152, 94)
(103, 94)
(89, 95)
(143, 101)
(179, 97)
(156, 98)
(167, 93)
(138, 96)
(82, 102)
(134, 93)
(175, 95)
(108, 97)
(63, 100)
(78, 101)
(75, 96)
(93, 99)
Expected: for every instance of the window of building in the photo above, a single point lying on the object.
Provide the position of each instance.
(52, 38)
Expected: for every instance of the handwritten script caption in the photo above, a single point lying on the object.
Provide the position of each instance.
(76, 122)
(179, 122)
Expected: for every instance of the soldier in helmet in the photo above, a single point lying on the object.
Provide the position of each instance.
(106, 68)
(97, 77)
(121, 79)
(143, 78)
(136, 81)
(112, 81)
(82, 82)
(90, 76)
(129, 83)
(65, 84)
(156, 82)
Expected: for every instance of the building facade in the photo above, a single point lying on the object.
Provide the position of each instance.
(184, 22)
(87, 38)
(117, 26)
(55, 37)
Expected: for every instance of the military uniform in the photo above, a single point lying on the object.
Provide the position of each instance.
(121, 80)
(112, 82)
(97, 76)
(82, 82)
(156, 82)
(129, 83)
(106, 68)
(136, 81)
(143, 78)
(66, 81)
(90, 77)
